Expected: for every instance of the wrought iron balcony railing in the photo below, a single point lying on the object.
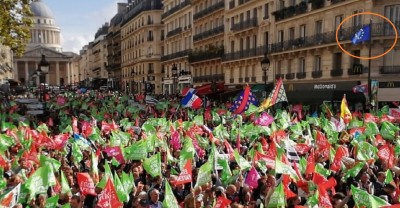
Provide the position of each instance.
(345, 34)
(250, 23)
(176, 31)
(248, 53)
(176, 8)
(290, 76)
(389, 70)
(176, 55)
(206, 55)
(209, 33)
(209, 10)
(279, 76)
(336, 72)
(301, 75)
(316, 74)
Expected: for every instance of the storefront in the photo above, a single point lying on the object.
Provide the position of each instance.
(389, 91)
(167, 86)
(318, 93)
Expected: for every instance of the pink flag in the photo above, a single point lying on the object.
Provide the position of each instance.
(264, 120)
(252, 178)
(61, 100)
(116, 153)
(175, 140)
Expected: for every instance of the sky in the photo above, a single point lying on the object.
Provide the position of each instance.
(79, 20)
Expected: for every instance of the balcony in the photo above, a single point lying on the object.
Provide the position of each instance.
(290, 11)
(178, 54)
(175, 9)
(249, 53)
(209, 78)
(209, 33)
(212, 53)
(247, 79)
(279, 76)
(356, 70)
(316, 74)
(243, 25)
(253, 79)
(209, 10)
(336, 72)
(150, 38)
(389, 69)
(240, 2)
(290, 76)
(240, 80)
(301, 75)
(176, 31)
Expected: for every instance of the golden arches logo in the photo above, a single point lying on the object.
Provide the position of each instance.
(366, 13)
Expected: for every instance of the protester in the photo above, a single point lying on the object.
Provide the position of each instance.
(96, 150)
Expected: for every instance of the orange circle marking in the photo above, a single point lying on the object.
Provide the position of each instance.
(374, 14)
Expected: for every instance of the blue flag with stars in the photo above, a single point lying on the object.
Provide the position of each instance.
(243, 101)
(362, 35)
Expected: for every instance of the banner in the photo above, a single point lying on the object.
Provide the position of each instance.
(116, 153)
(86, 184)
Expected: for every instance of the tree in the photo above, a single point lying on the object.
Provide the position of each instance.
(15, 24)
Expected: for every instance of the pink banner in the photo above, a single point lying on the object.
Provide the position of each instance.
(252, 178)
(116, 153)
(264, 120)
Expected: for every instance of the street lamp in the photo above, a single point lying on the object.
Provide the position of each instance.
(43, 69)
(174, 75)
(265, 67)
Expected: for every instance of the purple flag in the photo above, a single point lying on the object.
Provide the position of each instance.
(264, 120)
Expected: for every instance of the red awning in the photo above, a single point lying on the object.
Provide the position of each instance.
(207, 89)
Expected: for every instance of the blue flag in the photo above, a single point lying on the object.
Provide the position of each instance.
(362, 35)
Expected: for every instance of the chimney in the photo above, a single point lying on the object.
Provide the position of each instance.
(122, 7)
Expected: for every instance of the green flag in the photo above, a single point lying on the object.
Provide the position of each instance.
(364, 199)
(278, 198)
(66, 206)
(319, 168)
(371, 129)
(243, 163)
(5, 142)
(52, 202)
(40, 180)
(226, 171)
(127, 181)
(283, 168)
(365, 151)
(64, 184)
(123, 195)
(388, 130)
(353, 172)
(169, 198)
(152, 165)
(389, 177)
(76, 153)
(204, 174)
(51, 162)
(136, 151)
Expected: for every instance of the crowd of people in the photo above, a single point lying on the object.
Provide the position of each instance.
(103, 150)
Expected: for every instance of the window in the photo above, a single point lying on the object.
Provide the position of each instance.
(255, 14)
(279, 67)
(302, 31)
(318, 27)
(247, 43)
(393, 13)
(280, 36)
(266, 38)
(302, 65)
(338, 20)
(317, 63)
(266, 11)
(151, 68)
(281, 4)
(356, 60)
(357, 21)
(337, 61)
(232, 22)
(254, 41)
(291, 33)
(292, 2)
(289, 66)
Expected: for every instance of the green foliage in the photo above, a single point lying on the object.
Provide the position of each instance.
(15, 24)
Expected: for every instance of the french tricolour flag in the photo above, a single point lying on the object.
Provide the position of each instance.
(191, 100)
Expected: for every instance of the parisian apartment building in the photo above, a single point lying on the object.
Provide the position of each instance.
(163, 46)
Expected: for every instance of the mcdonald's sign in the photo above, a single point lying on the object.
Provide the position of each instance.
(357, 69)
(390, 84)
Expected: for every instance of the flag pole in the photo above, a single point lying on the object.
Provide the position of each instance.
(369, 64)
